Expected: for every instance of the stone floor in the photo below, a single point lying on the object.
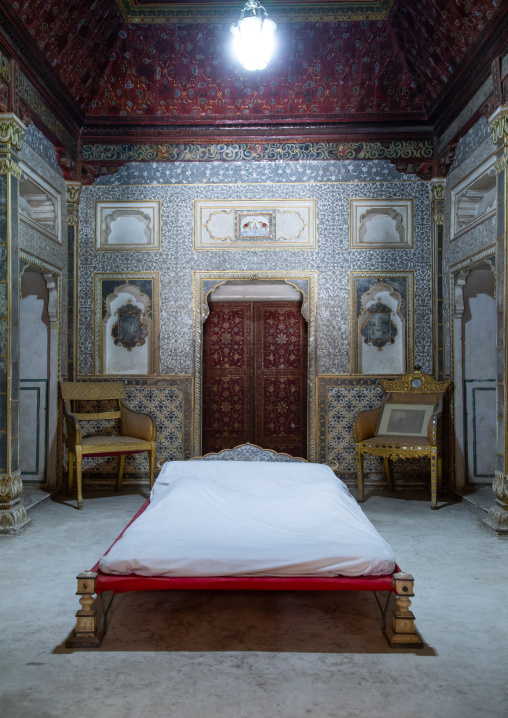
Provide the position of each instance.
(245, 655)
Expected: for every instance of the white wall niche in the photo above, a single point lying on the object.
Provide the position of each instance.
(39, 204)
(474, 199)
(381, 223)
(127, 226)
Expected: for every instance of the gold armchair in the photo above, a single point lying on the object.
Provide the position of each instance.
(406, 425)
(138, 431)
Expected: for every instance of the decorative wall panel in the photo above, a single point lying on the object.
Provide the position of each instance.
(376, 224)
(128, 226)
(187, 276)
(382, 322)
(474, 198)
(40, 204)
(255, 224)
(126, 322)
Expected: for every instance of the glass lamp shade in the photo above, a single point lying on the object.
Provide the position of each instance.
(254, 41)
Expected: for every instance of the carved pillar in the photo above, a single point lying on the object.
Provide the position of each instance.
(437, 206)
(458, 379)
(53, 375)
(498, 516)
(73, 196)
(12, 513)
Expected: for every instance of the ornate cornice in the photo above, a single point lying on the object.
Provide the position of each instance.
(73, 192)
(221, 11)
(498, 123)
(437, 189)
(11, 130)
(410, 149)
(8, 166)
(501, 164)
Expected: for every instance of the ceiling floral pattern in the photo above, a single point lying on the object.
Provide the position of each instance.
(186, 70)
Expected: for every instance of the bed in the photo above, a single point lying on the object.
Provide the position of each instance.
(284, 525)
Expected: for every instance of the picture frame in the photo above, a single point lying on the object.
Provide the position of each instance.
(409, 420)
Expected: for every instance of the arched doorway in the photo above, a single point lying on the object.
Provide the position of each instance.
(206, 283)
(255, 368)
(39, 370)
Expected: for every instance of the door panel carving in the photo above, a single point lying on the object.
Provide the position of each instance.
(255, 377)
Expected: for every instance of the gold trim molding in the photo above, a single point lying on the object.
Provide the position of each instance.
(11, 486)
(10, 167)
(11, 130)
(498, 123)
(74, 192)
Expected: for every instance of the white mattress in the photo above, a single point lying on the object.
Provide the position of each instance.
(227, 518)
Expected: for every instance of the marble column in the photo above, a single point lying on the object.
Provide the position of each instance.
(73, 197)
(437, 207)
(497, 518)
(12, 513)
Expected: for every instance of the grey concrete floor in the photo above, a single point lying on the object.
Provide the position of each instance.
(245, 655)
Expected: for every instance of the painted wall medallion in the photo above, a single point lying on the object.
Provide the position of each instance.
(255, 225)
(379, 329)
(129, 331)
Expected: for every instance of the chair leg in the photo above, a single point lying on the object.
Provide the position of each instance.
(359, 474)
(433, 480)
(439, 474)
(388, 474)
(71, 473)
(151, 464)
(79, 479)
(120, 472)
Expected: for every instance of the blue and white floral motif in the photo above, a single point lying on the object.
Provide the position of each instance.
(249, 452)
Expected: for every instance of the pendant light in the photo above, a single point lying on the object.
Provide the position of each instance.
(253, 36)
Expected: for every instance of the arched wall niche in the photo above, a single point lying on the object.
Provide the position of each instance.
(474, 371)
(207, 283)
(40, 372)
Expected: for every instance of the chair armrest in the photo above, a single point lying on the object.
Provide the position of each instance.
(365, 424)
(74, 433)
(136, 424)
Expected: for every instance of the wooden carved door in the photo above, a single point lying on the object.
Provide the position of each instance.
(255, 377)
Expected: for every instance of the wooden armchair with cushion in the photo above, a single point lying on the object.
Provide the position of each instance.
(406, 425)
(138, 431)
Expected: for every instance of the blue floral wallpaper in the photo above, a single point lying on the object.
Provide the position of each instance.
(332, 184)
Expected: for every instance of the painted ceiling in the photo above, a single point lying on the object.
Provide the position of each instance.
(172, 68)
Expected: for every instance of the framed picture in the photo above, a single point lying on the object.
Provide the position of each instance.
(405, 420)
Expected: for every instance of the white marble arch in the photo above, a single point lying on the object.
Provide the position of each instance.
(205, 283)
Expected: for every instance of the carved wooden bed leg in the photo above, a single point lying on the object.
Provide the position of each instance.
(359, 473)
(402, 633)
(86, 634)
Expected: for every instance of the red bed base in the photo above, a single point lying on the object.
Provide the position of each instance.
(88, 634)
(132, 582)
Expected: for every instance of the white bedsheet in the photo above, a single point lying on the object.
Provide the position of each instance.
(227, 518)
